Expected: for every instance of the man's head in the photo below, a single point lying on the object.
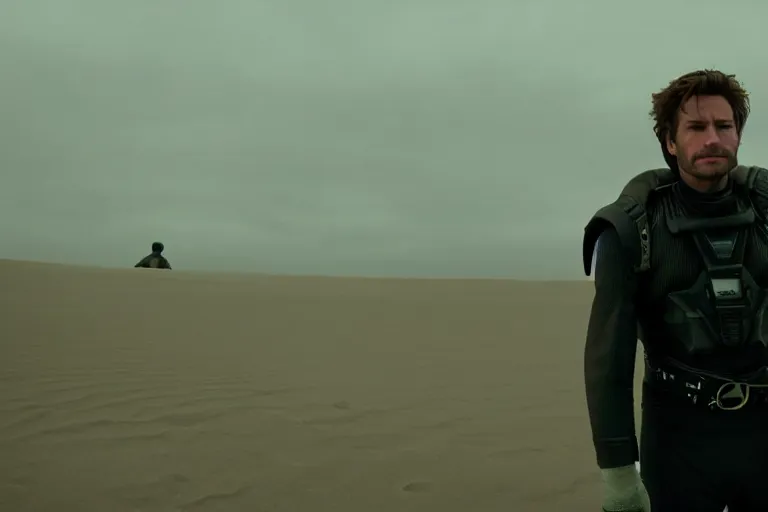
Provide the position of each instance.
(699, 118)
(158, 247)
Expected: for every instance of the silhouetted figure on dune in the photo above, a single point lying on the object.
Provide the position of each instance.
(156, 259)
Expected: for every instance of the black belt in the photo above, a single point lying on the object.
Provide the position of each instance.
(707, 389)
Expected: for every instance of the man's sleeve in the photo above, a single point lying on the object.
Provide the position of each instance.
(609, 355)
(142, 263)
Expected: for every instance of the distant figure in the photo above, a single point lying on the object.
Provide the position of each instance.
(156, 259)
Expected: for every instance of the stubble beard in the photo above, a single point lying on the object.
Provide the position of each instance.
(708, 172)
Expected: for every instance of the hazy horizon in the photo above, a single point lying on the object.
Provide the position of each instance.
(417, 138)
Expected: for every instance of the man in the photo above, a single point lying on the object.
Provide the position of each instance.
(682, 265)
(155, 259)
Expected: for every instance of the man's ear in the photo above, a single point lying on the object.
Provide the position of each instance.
(671, 146)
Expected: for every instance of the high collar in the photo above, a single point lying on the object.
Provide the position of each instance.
(708, 204)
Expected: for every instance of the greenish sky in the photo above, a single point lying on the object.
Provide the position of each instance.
(397, 137)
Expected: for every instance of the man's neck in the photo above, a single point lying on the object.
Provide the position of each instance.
(707, 200)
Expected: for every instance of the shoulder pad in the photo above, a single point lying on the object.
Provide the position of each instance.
(641, 186)
(628, 216)
(754, 183)
(746, 176)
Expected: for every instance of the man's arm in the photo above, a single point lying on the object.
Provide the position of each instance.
(609, 355)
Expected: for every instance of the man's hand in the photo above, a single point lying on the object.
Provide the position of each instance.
(624, 490)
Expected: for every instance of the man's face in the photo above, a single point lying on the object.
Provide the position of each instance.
(706, 141)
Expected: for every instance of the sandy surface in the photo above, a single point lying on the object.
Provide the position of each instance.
(142, 390)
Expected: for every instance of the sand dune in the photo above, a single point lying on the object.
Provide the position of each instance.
(141, 390)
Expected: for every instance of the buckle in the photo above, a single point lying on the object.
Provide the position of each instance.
(732, 396)
(714, 391)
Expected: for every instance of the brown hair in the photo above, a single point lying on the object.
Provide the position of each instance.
(708, 82)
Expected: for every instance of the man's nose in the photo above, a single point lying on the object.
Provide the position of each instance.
(711, 136)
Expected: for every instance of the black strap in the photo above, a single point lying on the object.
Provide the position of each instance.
(628, 216)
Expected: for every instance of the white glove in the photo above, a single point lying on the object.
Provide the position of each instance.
(624, 490)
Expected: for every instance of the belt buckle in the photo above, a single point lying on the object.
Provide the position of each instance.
(735, 392)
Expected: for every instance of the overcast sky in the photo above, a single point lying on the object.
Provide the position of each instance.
(388, 137)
